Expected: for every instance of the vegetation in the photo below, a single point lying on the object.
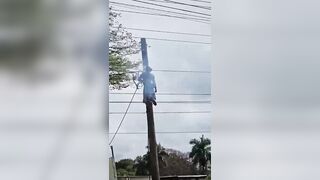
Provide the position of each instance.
(201, 153)
(121, 45)
(125, 167)
(142, 163)
(141, 166)
(178, 163)
(171, 162)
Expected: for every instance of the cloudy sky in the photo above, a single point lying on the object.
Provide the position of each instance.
(171, 56)
(266, 108)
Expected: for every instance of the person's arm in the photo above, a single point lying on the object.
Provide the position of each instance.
(155, 85)
(140, 79)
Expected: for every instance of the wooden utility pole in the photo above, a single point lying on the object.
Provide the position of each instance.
(113, 164)
(151, 129)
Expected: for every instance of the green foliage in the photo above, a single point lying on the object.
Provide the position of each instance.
(162, 155)
(121, 45)
(142, 163)
(178, 163)
(119, 76)
(201, 153)
(171, 162)
(125, 167)
(142, 166)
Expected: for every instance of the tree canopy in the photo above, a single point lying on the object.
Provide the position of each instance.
(178, 163)
(121, 46)
(171, 161)
(125, 167)
(143, 162)
(201, 153)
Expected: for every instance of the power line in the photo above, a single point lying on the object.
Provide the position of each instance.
(165, 15)
(123, 116)
(187, 94)
(169, 32)
(164, 102)
(169, 7)
(179, 71)
(201, 1)
(175, 71)
(166, 132)
(126, 5)
(174, 40)
(165, 112)
(185, 4)
(183, 16)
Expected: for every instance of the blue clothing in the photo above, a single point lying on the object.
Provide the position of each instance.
(149, 86)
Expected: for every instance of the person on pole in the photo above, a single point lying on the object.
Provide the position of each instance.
(149, 86)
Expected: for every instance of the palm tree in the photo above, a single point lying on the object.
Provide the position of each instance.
(201, 153)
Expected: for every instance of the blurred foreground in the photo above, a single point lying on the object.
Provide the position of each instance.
(53, 90)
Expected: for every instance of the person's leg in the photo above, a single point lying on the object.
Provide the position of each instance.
(144, 96)
(154, 99)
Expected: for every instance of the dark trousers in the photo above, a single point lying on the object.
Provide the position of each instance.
(149, 97)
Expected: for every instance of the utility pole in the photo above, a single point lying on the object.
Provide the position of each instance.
(150, 120)
(113, 164)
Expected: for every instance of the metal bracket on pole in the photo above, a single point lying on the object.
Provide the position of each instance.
(135, 77)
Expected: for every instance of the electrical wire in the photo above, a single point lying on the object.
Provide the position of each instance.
(123, 117)
(179, 71)
(187, 94)
(169, 32)
(169, 7)
(165, 15)
(174, 40)
(126, 5)
(209, 2)
(165, 102)
(165, 112)
(167, 132)
(185, 4)
(176, 71)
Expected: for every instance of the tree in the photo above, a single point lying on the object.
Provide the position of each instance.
(171, 162)
(121, 45)
(119, 67)
(162, 155)
(178, 163)
(201, 153)
(143, 164)
(125, 167)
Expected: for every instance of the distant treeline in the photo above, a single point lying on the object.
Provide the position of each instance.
(171, 162)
